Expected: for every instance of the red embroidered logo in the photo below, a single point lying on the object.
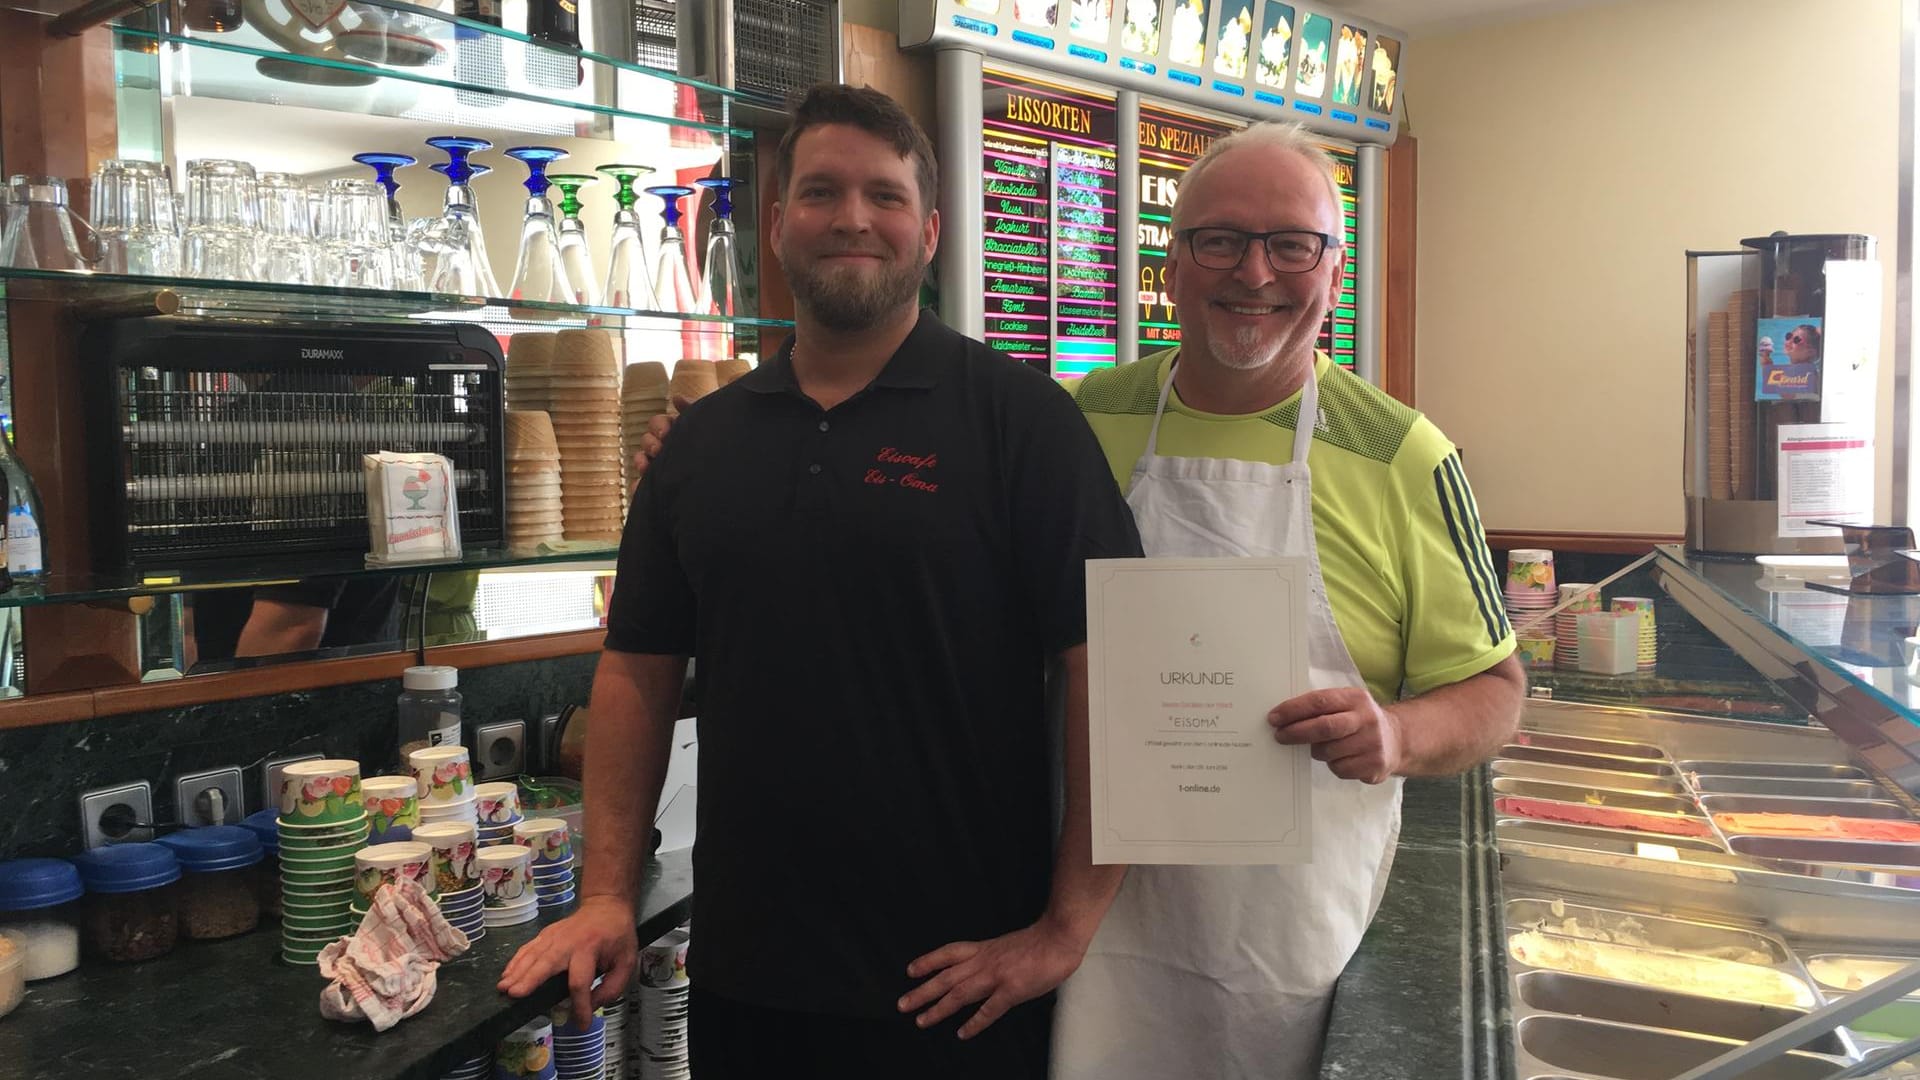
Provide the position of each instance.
(916, 466)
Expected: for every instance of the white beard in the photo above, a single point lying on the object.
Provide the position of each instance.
(1246, 352)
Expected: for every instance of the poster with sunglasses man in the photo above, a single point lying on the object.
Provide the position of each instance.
(1790, 369)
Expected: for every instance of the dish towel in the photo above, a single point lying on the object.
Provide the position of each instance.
(384, 973)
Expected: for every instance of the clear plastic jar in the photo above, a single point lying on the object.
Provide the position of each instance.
(132, 901)
(40, 912)
(219, 893)
(429, 709)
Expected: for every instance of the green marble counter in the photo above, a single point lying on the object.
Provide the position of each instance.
(231, 1010)
(1425, 995)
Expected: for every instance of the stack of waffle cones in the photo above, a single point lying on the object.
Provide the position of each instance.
(529, 371)
(584, 388)
(643, 396)
(533, 481)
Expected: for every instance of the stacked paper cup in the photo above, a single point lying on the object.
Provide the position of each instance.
(659, 1002)
(506, 885)
(552, 846)
(579, 1050)
(1581, 599)
(445, 776)
(393, 807)
(497, 806)
(615, 1014)
(379, 865)
(479, 1068)
(456, 874)
(1643, 606)
(322, 825)
(643, 396)
(527, 1054)
(1530, 592)
(533, 480)
(585, 408)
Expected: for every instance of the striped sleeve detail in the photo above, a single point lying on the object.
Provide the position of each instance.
(1470, 544)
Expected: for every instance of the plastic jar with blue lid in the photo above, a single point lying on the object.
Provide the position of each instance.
(266, 875)
(132, 901)
(40, 912)
(218, 897)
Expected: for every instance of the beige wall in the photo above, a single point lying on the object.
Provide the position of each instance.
(1566, 163)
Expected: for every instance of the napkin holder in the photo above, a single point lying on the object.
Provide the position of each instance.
(412, 508)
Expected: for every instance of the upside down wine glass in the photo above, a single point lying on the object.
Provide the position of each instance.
(453, 251)
(720, 291)
(539, 274)
(407, 273)
(576, 258)
(673, 289)
(628, 285)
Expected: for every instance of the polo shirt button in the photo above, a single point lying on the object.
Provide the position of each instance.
(824, 425)
(814, 468)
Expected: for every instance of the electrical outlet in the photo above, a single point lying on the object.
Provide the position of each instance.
(499, 750)
(270, 777)
(116, 814)
(195, 802)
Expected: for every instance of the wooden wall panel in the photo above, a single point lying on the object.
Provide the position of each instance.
(1403, 179)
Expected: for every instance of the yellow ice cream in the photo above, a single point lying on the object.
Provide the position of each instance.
(1669, 971)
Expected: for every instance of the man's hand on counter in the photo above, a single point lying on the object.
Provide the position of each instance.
(598, 939)
(1000, 973)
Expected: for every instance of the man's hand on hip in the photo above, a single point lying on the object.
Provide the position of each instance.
(1000, 973)
(1351, 732)
(599, 939)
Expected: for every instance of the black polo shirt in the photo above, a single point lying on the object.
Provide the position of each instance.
(871, 593)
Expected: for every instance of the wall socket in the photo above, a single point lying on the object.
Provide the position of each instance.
(499, 750)
(194, 802)
(116, 814)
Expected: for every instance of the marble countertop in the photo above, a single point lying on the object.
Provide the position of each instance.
(231, 1010)
(1425, 995)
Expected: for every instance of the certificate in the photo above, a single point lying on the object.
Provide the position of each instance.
(1185, 658)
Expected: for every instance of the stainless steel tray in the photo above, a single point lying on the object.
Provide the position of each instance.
(1599, 999)
(1656, 932)
(1819, 855)
(1817, 964)
(1777, 769)
(1805, 789)
(1565, 1044)
(1783, 804)
(1587, 795)
(1594, 837)
(1606, 778)
(1515, 752)
(1587, 744)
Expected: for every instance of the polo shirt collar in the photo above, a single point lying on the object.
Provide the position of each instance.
(913, 366)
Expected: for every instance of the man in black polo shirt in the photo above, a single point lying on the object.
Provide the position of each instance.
(874, 545)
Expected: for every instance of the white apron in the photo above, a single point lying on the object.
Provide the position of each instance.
(1222, 972)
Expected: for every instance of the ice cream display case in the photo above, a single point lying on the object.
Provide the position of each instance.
(1672, 886)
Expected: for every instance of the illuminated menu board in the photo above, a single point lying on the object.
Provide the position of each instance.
(1169, 142)
(1052, 205)
(1336, 336)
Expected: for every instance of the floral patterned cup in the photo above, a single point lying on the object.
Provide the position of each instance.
(384, 864)
(324, 792)
(499, 803)
(392, 804)
(547, 838)
(1529, 571)
(506, 875)
(444, 774)
(454, 845)
(1536, 652)
(1580, 597)
(527, 1052)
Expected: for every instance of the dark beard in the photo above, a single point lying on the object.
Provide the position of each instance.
(845, 304)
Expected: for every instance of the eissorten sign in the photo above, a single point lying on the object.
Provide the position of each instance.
(1334, 72)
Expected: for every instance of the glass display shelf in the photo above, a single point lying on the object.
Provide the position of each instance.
(406, 62)
(1860, 638)
(240, 573)
(113, 294)
(1693, 672)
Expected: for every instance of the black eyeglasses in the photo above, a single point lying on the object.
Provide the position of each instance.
(1289, 251)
